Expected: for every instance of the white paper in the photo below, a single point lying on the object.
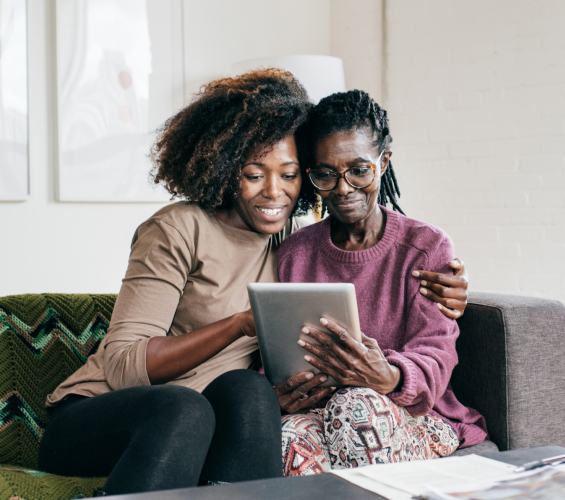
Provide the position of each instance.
(353, 476)
(544, 483)
(413, 478)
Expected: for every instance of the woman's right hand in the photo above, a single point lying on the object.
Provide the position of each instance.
(448, 291)
(301, 392)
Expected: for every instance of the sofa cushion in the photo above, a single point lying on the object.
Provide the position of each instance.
(485, 448)
(511, 351)
(44, 338)
(28, 484)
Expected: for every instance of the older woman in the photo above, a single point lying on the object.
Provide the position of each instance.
(397, 403)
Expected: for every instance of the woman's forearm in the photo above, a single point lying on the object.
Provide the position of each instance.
(168, 358)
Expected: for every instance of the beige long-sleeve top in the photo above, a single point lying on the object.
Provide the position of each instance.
(186, 270)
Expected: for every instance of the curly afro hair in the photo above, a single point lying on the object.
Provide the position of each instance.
(200, 151)
(342, 112)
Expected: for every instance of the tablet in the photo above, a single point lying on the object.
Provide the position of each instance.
(280, 311)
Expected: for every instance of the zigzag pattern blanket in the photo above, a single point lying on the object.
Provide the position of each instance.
(44, 338)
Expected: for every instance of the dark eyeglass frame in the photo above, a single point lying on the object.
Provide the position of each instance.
(343, 175)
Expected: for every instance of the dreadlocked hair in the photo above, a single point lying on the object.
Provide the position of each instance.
(200, 151)
(343, 112)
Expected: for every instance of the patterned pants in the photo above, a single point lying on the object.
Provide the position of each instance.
(358, 427)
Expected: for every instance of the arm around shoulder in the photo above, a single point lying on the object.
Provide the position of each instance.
(428, 355)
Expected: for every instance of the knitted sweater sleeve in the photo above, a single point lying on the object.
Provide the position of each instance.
(158, 269)
(428, 355)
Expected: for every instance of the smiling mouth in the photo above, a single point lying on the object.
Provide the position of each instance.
(271, 211)
(347, 204)
(272, 214)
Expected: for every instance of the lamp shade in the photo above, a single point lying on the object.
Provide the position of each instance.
(320, 75)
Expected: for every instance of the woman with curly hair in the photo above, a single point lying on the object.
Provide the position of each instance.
(168, 400)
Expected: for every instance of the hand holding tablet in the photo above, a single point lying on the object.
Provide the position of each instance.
(295, 351)
(352, 363)
(281, 310)
(302, 392)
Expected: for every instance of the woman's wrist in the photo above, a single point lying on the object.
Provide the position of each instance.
(399, 378)
(245, 324)
(395, 382)
(238, 326)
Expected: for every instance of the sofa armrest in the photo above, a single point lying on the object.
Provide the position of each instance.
(512, 368)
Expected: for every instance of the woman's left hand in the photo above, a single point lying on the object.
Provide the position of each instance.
(448, 291)
(356, 363)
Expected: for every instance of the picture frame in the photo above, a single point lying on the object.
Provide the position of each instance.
(119, 77)
(14, 155)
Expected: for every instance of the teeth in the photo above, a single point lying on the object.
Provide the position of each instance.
(271, 211)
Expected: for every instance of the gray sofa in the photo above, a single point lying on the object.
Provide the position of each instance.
(512, 369)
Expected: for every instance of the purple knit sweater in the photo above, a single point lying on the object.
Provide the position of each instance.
(411, 331)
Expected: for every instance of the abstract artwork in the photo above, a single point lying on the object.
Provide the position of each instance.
(119, 77)
(14, 176)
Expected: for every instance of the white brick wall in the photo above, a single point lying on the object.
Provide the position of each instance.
(476, 97)
(356, 38)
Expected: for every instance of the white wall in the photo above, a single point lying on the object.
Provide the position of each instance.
(47, 246)
(475, 92)
(476, 96)
(357, 38)
(219, 33)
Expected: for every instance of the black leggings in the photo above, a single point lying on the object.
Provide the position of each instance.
(166, 436)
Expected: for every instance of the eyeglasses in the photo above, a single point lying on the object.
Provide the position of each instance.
(360, 177)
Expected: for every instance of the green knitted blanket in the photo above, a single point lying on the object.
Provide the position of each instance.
(44, 338)
(24, 484)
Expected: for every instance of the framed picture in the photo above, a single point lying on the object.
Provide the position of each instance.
(14, 171)
(119, 77)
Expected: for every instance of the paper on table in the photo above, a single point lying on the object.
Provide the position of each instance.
(353, 476)
(414, 477)
(546, 483)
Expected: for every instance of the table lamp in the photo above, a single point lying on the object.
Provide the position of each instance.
(320, 75)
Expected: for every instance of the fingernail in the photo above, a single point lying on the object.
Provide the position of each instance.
(309, 375)
(305, 330)
(415, 273)
(333, 388)
(423, 283)
(439, 306)
(307, 358)
(323, 378)
(301, 342)
(323, 321)
(423, 291)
